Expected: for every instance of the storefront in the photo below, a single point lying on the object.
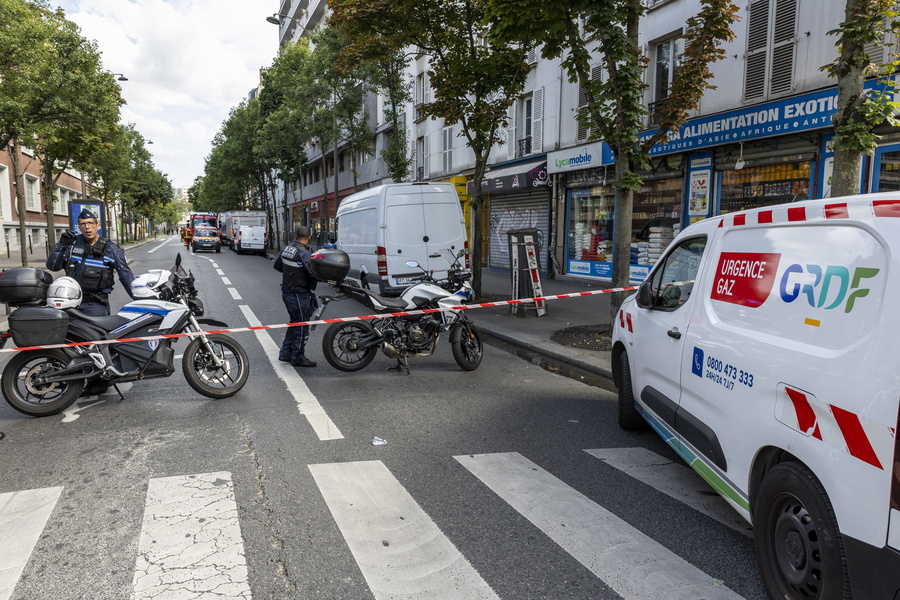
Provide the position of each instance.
(519, 198)
(756, 156)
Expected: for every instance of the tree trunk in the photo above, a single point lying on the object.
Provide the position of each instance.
(19, 179)
(845, 177)
(624, 204)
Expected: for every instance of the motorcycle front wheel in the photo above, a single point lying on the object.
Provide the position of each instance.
(466, 345)
(213, 381)
(26, 391)
(340, 345)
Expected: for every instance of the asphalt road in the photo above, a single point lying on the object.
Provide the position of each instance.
(505, 482)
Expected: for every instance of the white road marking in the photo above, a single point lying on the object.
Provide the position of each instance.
(190, 544)
(400, 550)
(629, 562)
(226, 281)
(307, 403)
(219, 271)
(158, 246)
(23, 516)
(234, 294)
(674, 479)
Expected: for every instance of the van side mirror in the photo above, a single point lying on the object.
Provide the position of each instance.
(332, 237)
(645, 295)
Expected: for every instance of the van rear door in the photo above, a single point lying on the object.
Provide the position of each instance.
(405, 237)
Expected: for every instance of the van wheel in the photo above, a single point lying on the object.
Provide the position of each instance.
(629, 417)
(800, 550)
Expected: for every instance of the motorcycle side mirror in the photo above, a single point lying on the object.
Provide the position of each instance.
(332, 237)
(412, 264)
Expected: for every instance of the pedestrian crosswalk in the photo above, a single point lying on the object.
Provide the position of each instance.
(190, 543)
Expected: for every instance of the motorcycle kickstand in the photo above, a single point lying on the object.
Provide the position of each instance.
(402, 365)
(119, 392)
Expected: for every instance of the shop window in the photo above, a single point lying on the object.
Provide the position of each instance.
(590, 224)
(764, 186)
(656, 218)
(889, 172)
(771, 37)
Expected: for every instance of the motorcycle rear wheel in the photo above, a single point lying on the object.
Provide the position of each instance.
(466, 346)
(24, 391)
(339, 345)
(206, 378)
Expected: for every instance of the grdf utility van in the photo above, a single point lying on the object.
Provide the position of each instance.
(762, 347)
(384, 227)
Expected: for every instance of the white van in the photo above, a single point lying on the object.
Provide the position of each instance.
(764, 348)
(250, 238)
(383, 227)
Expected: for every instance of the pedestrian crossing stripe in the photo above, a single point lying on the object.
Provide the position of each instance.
(190, 543)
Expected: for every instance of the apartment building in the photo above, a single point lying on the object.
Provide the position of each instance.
(761, 137)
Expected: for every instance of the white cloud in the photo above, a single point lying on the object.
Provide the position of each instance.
(188, 63)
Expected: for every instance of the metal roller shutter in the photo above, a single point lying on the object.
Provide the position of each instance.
(519, 211)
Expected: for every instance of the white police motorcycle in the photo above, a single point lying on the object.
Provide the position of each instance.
(49, 378)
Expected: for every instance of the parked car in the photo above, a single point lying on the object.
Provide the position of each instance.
(206, 238)
(762, 347)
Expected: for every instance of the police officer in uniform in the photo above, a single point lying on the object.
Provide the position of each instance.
(297, 285)
(90, 260)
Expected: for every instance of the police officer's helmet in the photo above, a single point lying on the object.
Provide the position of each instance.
(64, 293)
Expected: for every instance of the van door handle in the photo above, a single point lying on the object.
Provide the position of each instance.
(674, 333)
(434, 255)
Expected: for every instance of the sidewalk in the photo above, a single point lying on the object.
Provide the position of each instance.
(533, 333)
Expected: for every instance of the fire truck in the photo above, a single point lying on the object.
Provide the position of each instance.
(195, 219)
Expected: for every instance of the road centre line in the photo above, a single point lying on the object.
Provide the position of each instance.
(401, 551)
(190, 544)
(307, 403)
(234, 294)
(23, 516)
(632, 564)
(226, 281)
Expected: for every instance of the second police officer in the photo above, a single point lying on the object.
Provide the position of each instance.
(297, 286)
(91, 259)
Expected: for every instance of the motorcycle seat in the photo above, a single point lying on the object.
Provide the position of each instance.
(107, 323)
(388, 302)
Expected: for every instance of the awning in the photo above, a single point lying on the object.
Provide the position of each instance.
(515, 178)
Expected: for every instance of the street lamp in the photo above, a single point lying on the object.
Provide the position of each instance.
(277, 18)
(120, 77)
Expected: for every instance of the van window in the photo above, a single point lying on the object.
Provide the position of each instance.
(673, 280)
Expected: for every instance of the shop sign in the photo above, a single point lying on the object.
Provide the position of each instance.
(603, 270)
(579, 157)
(535, 177)
(805, 112)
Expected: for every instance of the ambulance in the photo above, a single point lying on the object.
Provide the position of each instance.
(763, 348)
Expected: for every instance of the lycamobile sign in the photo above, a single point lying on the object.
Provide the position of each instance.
(582, 159)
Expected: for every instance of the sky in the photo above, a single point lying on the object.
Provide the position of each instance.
(188, 63)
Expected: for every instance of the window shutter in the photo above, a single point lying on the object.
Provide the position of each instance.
(427, 98)
(783, 42)
(537, 121)
(511, 130)
(532, 56)
(447, 149)
(426, 158)
(757, 43)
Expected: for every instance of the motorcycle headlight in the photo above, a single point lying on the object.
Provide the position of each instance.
(196, 307)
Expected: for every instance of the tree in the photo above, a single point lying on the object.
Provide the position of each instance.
(579, 31)
(858, 112)
(474, 83)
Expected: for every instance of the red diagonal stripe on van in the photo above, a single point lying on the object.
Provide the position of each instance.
(764, 216)
(628, 319)
(886, 208)
(740, 219)
(837, 211)
(806, 416)
(622, 319)
(858, 443)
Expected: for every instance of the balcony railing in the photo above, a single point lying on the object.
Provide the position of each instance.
(653, 118)
(420, 173)
(524, 148)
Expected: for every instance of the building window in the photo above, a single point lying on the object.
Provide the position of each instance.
(667, 57)
(31, 194)
(447, 149)
(584, 133)
(771, 37)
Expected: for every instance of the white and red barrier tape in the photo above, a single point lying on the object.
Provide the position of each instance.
(169, 336)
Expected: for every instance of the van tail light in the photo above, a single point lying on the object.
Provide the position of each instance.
(467, 254)
(381, 257)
